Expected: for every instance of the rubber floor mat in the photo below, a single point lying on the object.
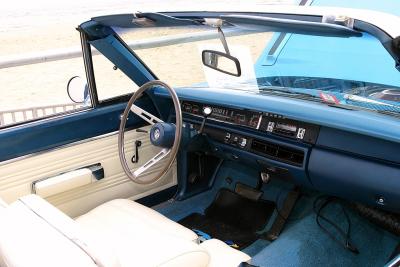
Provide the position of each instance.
(232, 218)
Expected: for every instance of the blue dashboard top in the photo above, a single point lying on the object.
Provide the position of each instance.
(356, 121)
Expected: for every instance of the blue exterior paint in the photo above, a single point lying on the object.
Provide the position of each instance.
(349, 59)
(360, 59)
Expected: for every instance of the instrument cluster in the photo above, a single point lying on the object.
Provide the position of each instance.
(265, 122)
(245, 118)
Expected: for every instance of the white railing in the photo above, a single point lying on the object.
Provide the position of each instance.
(9, 117)
(19, 115)
(75, 52)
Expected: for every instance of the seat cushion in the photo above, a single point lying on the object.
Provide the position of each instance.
(139, 236)
(28, 240)
(35, 233)
(122, 213)
(223, 255)
(149, 249)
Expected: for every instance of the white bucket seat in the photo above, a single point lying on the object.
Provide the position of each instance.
(118, 233)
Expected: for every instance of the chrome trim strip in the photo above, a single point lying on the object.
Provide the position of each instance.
(259, 122)
(227, 122)
(9, 161)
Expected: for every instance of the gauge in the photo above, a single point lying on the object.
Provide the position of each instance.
(195, 109)
(254, 121)
(187, 107)
(241, 118)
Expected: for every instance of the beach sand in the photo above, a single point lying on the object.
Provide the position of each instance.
(45, 83)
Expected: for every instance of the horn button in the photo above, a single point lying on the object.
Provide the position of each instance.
(162, 134)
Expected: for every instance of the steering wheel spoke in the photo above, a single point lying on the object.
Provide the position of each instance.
(162, 154)
(163, 139)
(150, 118)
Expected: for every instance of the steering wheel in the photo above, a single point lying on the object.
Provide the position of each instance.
(162, 134)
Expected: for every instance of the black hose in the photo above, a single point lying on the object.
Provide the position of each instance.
(387, 220)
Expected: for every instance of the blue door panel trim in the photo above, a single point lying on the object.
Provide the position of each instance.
(48, 134)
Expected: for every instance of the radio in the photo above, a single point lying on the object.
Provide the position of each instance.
(279, 125)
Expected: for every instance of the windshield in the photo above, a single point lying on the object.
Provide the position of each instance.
(353, 72)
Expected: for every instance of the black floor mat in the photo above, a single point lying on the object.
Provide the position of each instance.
(232, 217)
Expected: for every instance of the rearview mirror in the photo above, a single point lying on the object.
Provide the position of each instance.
(221, 62)
(77, 90)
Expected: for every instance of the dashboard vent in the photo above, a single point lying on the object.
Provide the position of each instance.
(278, 152)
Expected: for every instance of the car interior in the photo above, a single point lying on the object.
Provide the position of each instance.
(200, 176)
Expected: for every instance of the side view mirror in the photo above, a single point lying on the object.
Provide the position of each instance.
(221, 62)
(77, 90)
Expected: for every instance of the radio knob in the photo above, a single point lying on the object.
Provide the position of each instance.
(207, 111)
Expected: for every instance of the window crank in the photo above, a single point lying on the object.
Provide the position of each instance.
(135, 157)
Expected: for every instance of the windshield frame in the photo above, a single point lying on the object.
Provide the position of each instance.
(100, 29)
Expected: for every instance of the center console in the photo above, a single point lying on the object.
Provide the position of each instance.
(268, 142)
(256, 141)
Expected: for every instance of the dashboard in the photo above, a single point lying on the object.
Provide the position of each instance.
(350, 154)
(265, 122)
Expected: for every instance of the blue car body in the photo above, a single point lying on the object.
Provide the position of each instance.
(333, 64)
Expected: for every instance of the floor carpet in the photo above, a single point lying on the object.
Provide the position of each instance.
(302, 242)
(232, 218)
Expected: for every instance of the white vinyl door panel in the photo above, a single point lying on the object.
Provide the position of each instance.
(17, 176)
(63, 182)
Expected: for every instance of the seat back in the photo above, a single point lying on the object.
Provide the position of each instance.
(34, 233)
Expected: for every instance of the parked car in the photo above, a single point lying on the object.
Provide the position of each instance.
(266, 136)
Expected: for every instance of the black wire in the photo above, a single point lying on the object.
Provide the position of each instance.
(289, 218)
(345, 235)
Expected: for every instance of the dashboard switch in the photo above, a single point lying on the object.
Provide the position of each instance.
(243, 142)
(227, 136)
(271, 126)
(300, 133)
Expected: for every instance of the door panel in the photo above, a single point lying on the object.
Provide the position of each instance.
(54, 132)
(17, 176)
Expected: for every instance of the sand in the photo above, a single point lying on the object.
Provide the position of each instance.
(44, 84)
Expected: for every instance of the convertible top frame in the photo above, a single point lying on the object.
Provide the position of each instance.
(294, 19)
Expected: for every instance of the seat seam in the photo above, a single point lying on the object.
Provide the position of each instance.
(187, 252)
(72, 240)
